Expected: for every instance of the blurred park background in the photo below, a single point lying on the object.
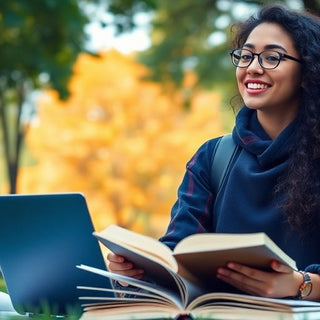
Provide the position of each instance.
(112, 97)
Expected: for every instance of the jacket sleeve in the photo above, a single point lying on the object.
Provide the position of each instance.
(313, 268)
(193, 209)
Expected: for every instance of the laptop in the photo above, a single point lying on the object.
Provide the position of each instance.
(42, 239)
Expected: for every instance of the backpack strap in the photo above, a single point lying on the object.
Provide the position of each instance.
(223, 155)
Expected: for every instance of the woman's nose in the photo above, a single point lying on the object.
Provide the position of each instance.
(255, 66)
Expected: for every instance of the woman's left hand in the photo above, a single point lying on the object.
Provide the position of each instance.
(281, 282)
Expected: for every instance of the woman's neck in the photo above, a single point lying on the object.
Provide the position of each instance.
(274, 123)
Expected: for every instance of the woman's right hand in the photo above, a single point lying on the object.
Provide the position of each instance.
(118, 264)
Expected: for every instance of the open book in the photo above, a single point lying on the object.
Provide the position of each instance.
(183, 280)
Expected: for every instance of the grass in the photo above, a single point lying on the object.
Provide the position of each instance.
(2, 284)
(45, 316)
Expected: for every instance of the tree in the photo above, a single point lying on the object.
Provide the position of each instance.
(120, 140)
(39, 43)
(191, 34)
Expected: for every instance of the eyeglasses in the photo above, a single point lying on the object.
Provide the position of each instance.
(268, 59)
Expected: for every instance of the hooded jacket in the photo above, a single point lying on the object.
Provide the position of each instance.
(246, 202)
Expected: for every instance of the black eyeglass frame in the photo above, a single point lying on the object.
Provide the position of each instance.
(281, 56)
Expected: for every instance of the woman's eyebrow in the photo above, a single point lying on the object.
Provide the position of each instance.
(266, 47)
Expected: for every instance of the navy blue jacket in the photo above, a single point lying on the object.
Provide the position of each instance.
(246, 202)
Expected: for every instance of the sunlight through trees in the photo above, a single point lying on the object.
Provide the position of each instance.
(119, 139)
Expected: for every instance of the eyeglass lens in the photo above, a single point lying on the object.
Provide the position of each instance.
(268, 59)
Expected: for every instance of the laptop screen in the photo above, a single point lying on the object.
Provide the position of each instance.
(42, 239)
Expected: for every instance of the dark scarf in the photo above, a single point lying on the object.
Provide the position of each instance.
(249, 134)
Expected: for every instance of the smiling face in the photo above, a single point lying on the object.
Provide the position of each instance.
(274, 90)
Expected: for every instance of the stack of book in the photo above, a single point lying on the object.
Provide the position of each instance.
(182, 282)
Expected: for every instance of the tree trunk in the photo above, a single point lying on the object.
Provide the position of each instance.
(12, 145)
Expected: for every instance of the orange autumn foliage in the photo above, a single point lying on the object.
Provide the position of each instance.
(120, 140)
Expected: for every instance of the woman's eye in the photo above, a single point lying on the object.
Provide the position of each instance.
(272, 58)
(246, 57)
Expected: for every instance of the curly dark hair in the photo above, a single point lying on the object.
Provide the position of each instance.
(299, 189)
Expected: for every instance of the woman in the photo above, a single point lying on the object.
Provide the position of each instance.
(274, 183)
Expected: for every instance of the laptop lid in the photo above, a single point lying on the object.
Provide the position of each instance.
(42, 239)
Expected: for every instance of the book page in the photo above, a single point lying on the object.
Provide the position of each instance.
(170, 295)
(130, 311)
(147, 246)
(203, 265)
(208, 251)
(254, 302)
(220, 241)
(154, 271)
(95, 294)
